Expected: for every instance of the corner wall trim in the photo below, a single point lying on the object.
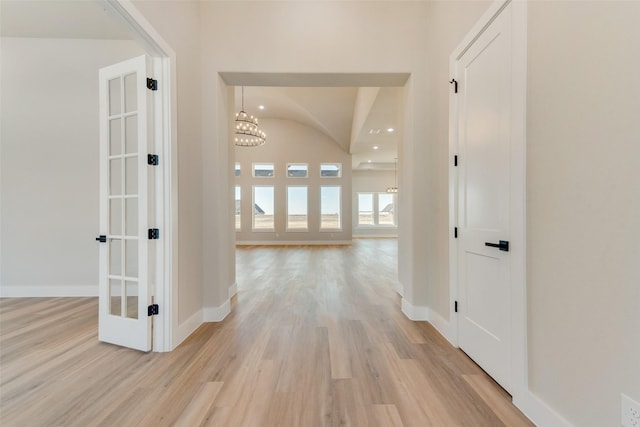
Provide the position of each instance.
(233, 290)
(216, 314)
(44, 291)
(414, 312)
(187, 327)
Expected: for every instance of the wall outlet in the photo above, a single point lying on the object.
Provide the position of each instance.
(630, 412)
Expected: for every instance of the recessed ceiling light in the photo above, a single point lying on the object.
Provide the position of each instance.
(390, 129)
(375, 147)
(374, 131)
(368, 161)
(261, 107)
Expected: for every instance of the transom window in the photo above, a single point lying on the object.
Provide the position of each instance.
(263, 170)
(297, 170)
(330, 170)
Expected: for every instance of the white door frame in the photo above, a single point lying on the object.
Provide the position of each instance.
(165, 141)
(517, 250)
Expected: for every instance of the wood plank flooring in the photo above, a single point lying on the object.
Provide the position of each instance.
(315, 338)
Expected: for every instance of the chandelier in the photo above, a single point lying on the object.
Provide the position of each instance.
(394, 189)
(247, 132)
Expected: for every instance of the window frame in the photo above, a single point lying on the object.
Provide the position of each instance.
(253, 210)
(306, 165)
(333, 229)
(290, 229)
(339, 165)
(253, 170)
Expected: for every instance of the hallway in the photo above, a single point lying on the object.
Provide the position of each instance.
(316, 337)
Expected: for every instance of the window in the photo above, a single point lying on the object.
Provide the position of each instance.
(376, 209)
(238, 198)
(330, 207)
(237, 169)
(263, 202)
(263, 170)
(365, 209)
(297, 207)
(330, 170)
(297, 170)
(386, 209)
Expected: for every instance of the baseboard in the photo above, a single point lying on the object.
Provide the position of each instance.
(187, 327)
(375, 236)
(233, 290)
(399, 288)
(216, 314)
(414, 312)
(48, 291)
(294, 243)
(541, 414)
(441, 325)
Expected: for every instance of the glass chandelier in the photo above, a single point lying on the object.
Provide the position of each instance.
(247, 132)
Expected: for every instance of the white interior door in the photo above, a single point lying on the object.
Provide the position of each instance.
(484, 120)
(124, 205)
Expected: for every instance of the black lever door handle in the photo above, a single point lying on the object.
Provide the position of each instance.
(102, 239)
(503, 245)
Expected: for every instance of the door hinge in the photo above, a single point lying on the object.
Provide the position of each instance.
(455, 160)
(152, 159)
(455, 232)
(154, 234)
(455, 306)
(152, 84)
(455, 85)
(153, 309)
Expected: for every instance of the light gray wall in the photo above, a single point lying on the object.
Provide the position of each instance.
(370, 181)
(292, 142)
(50, 140)
(583, 197)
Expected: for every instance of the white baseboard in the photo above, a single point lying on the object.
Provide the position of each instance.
(414, 312)
(233, 290)
(399, 288)
(442, 325)
(541, 414)
(187, 327)
(216, 314)
(293, 243)
(48, 291)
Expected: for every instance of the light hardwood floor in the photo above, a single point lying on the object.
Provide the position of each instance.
(315, 338)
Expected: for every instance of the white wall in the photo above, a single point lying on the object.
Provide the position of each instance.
(292, 142)
(583, 197)
(370, 181)
(50, 140)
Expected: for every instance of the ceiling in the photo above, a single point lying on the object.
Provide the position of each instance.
(354, 110)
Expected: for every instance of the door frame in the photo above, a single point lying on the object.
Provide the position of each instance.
(165, 139)
(518, 301)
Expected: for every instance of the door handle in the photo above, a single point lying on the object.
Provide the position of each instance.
(503, 245)
(102, 239)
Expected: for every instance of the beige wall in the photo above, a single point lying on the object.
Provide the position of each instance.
(177, 22)
(292, 142)
(583, 197)
(50, 182)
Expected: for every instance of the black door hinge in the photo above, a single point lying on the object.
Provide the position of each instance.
(154, 234)
(455, 306)
(455, 85)
(455, 232)
(152, 84)
(152, 159)
(153, 309)
(455, 160)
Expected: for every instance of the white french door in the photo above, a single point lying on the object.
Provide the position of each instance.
(484, 182)
(125, 187)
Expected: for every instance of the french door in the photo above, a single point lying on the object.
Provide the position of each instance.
(125, 187)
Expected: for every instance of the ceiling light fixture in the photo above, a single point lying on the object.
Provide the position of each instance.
(394, 189)
(390, 129)
(375, 147)
(260, 107)
(247, 132)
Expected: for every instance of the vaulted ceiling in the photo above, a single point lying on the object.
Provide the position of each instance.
(356, 111)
